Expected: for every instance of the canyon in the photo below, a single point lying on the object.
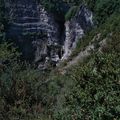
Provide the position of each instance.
(41, 37)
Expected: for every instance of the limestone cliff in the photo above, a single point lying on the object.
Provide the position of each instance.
(33, 28)
(38, 34)
(76, 29)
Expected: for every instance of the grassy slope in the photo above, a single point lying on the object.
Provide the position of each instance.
(90, 90)
(87, 91)
(95, 36)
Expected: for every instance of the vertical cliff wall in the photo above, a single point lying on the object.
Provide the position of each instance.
(38, 35)
(33, 29)
(76, 29)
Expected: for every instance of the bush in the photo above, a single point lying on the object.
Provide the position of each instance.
(105, 8)
(71, 13)
(88, 91)
(19, 85)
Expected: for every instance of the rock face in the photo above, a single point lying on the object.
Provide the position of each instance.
(76, 28)
(33, 29)
(37, 33)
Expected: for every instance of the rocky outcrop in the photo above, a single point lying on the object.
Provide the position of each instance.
(34, 30)
(76, 28)
(38, 35)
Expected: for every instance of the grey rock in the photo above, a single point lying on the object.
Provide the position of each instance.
(32, 28)
(76, 29)
(38, 35)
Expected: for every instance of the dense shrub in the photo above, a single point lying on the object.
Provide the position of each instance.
(19, 85)
(55, 6)
(111, 24)
(89, 90)
(103, 9)
(71, 13)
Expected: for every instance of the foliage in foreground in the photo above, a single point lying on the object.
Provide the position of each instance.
(88, 91)
(71, 13)
(19, 85)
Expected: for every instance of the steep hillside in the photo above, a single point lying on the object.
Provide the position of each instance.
(88, 87)
(85, 84)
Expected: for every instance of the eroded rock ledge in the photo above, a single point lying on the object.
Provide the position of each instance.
(38, 34)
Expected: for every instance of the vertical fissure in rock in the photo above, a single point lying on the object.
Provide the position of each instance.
(76, 28)
(40, 36)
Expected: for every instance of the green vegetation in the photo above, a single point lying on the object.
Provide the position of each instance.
(71, 13)
(90, 90)
(19, 85)
(110, 25)
(105, 8)
(101, 8)
(55, 6)
(87, 91)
